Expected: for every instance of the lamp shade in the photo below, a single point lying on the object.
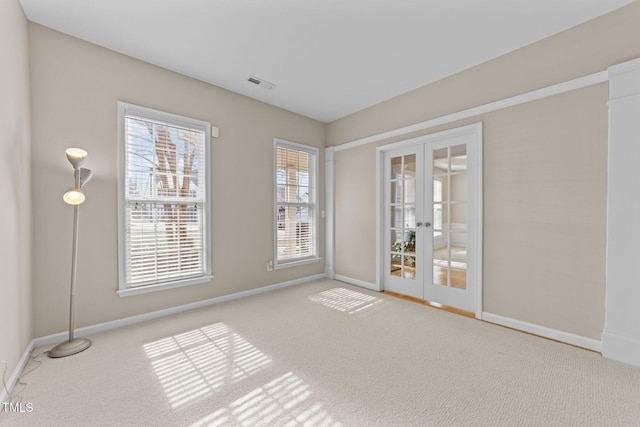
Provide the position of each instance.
(73, 196)
(76, 156)
(85, 176)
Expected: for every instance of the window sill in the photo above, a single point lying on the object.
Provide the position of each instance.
(296, 263)
(163, 286)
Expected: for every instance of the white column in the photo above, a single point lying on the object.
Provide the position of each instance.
(621, 335)
(329, 179)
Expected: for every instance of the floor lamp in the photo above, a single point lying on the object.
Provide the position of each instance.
(74, 197)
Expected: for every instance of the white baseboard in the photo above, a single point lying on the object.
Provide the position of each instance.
(88, 330)
(357, 282)
(621, 348)
(4, 394)
(554, 334)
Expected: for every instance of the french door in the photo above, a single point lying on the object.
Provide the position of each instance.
(431, 238)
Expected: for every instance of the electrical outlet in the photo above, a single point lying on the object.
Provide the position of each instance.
(270, 265)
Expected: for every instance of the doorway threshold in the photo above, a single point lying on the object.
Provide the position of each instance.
(439, 306)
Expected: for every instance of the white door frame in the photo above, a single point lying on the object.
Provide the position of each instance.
(475, 176)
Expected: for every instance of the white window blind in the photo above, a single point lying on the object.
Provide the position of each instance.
(295, 202)
(164, 206)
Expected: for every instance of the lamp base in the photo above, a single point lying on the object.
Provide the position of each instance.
(68, 348)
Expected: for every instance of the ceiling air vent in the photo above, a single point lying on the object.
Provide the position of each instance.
(260, 82)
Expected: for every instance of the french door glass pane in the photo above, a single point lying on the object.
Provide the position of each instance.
(396, 192)
(458, 260)
(410, 267)
(396, 265)
(410, 216)
(396, 217)
(459, 158)
(410, 166)
(410, 190)
(439, 155)
(396, 242)
(396, 167)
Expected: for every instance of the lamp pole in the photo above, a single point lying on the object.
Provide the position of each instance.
(74, 197)
(74, 258)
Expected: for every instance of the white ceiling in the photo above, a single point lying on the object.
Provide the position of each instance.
(327, 58)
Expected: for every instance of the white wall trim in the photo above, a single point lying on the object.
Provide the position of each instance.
(554, 334)
(357, 282)
(4, 394)
(329, 196)
(621, 347)
(556, 89)
(94, 329)
(621, 335)
(478, 237)
(379, 217)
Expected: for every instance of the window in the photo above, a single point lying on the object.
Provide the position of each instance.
(163, 200)
(296, 224)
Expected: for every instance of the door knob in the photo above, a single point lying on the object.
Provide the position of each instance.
(419, 224)
(427, 224)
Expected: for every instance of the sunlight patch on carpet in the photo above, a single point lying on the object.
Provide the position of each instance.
(286, 400)
(345, 300)
(194, 364)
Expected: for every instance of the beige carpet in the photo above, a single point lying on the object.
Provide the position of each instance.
(325, 354)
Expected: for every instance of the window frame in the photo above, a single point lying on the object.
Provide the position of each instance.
(125, 109)
(313, 204)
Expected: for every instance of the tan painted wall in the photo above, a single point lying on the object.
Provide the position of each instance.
(75, 86)
(15, 188)
(544, 174)
(355, 207)
(545, 177)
